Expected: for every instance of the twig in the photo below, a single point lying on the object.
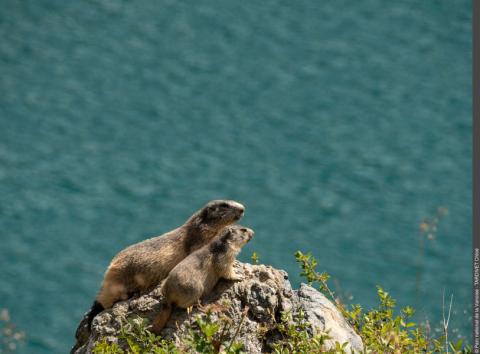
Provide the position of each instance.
(238, 328)
(445, 323)
(226, 327)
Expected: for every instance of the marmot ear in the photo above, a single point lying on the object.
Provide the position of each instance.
(205, 215)
(226, 236)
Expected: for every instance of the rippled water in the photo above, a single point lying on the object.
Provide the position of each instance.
(339, 125)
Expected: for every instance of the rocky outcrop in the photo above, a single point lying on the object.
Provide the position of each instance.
(257, 301)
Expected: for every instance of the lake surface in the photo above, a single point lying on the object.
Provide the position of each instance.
(340, 125)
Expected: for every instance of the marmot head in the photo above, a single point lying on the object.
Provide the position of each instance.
(236, 236)
(220, 213)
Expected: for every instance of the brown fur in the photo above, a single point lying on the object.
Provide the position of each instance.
(145, 264)
(197, 274)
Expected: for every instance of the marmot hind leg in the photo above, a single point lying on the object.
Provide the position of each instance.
(162, 318)
(115, 287)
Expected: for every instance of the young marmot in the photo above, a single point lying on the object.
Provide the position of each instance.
(145, 264)
(197, 275)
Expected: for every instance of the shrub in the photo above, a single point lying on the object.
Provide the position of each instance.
(382, 329)
(202, 335)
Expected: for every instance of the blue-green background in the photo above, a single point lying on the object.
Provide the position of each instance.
(339, 124)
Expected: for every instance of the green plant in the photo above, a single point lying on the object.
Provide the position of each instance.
(104, 347)
(138, 340)
(381, 329)
(298, 337)
(255, 259)
(210, 339)
(202, 335)
(308, 264)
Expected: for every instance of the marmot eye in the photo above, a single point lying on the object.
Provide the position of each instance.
(224, 205)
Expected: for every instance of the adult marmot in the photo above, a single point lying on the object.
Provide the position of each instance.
(197, 275)
(145, 264)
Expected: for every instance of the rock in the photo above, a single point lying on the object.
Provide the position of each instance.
(257, 302)
(324, 316)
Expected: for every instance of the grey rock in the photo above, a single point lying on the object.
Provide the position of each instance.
(257, 301)
(324, 317)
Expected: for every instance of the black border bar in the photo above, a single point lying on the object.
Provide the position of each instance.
(476, 174)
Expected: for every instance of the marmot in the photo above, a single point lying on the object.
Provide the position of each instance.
(197, 275)
(145, 264)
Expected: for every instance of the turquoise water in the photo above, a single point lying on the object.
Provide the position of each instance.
(340, 125)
